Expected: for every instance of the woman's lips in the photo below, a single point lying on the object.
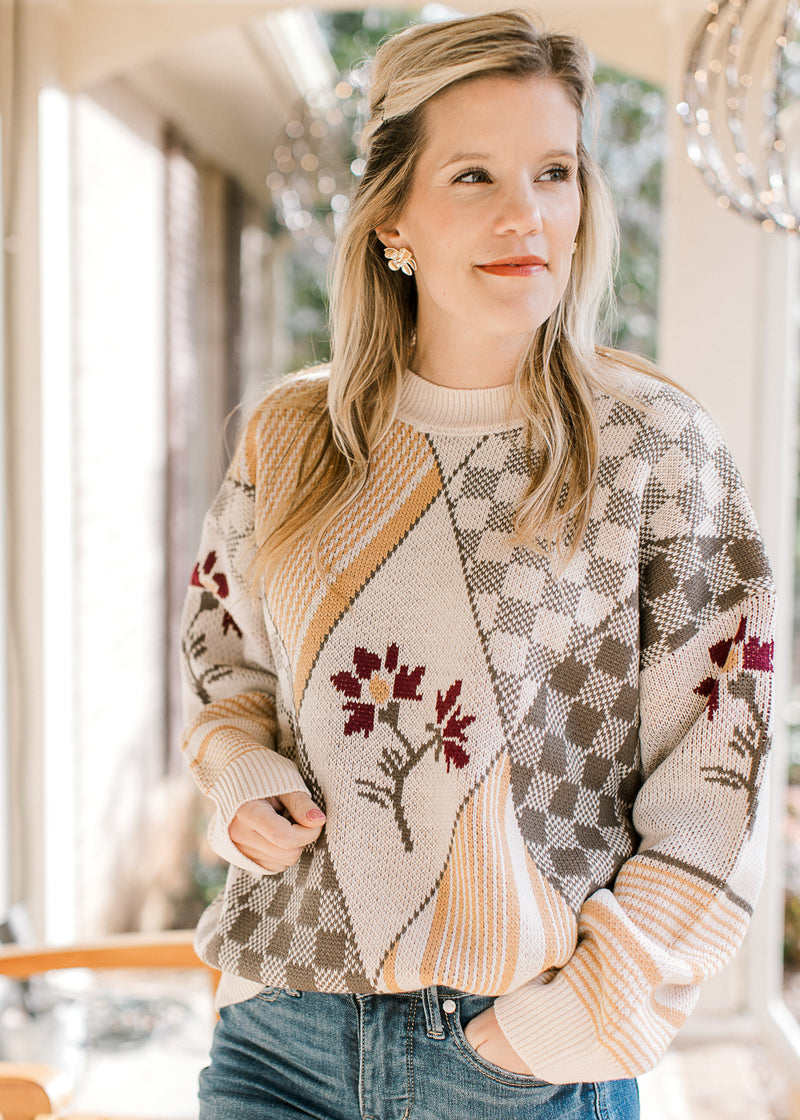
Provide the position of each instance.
(515, 266)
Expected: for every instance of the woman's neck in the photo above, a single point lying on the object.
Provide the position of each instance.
(479, 365)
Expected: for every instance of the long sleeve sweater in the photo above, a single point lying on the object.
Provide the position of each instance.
(542, 782)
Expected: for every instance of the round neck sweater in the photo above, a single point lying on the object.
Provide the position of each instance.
(541, 785)
(428, 407)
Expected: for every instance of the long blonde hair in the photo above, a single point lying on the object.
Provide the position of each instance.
(373, 310)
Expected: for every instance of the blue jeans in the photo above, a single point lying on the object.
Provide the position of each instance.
(285, 1054)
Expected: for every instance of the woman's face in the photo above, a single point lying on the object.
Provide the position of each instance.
(493, 213)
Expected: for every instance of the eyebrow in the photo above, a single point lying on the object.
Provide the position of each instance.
(460, 157)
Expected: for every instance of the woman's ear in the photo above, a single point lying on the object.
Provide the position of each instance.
(390, 238)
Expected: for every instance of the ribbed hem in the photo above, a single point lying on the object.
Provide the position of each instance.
(435, 408)
(235, 989)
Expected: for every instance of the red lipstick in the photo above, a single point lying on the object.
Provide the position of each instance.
(515, 266)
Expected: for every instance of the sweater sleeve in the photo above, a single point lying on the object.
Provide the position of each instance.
(679, 907)
(231, 729)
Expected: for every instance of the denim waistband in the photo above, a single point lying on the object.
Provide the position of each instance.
(431, 998)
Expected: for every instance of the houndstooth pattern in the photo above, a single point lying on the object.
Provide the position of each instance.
(700, 552)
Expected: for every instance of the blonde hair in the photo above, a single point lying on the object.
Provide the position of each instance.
(373, 309)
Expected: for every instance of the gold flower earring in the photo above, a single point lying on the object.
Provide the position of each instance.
(401, 260)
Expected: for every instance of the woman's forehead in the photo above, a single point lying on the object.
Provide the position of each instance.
(497, 107)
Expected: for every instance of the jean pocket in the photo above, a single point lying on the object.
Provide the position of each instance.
(487, 1068)
(269, 995)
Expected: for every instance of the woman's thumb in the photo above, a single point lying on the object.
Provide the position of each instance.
(303, 810)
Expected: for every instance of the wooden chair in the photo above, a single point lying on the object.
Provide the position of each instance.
(29, 1091)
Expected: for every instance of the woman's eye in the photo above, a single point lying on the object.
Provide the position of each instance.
(557, 174)
(473, 175)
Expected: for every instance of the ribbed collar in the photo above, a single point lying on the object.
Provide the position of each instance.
(434, 408)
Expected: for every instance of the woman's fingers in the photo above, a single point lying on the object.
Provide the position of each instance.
(273, 833)
(484, 1035)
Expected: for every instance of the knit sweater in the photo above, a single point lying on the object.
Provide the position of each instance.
(541, 782)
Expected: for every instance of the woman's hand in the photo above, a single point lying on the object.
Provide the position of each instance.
(484, 1035)
(273, 831)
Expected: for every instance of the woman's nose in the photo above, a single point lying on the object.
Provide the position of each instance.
(519, 211)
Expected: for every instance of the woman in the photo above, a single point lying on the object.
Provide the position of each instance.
(477, 647)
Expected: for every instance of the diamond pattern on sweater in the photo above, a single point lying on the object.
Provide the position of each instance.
(564, 652)
(576, 761)
(684, 586)
(564, 656)
(292, 931)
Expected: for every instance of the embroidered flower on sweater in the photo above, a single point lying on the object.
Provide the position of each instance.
(739, 661)
(375, 691)
(384, 682)
(453, 726)
(229, 623)
(730, 655)
(195, 640)
(219, 579)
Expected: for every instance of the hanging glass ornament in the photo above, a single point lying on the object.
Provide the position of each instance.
(741, 108)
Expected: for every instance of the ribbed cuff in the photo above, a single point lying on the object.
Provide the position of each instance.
(553, 1033)
(258, 774)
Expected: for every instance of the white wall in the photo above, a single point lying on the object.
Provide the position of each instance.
(120, 460)
(34, 68)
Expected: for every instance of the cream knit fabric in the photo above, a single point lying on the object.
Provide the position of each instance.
(539, 784)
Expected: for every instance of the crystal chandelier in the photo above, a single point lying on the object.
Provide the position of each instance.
(741, 108)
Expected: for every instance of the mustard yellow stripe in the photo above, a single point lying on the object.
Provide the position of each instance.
(509, 920)
(642, 871)
(611, 1012)
(220, 746)
(660, 919)
(254, 706)
(473, 939)
(256, 717)
(621, 945)
(679, 897)
(403, 481)
(206, 776)
(338, 598)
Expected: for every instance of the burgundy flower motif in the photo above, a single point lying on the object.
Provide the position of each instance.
(734, 653)
(384, 681)
(219, 579)
(453, 725)
(758, 655)
(229, 623)
(709, 688)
